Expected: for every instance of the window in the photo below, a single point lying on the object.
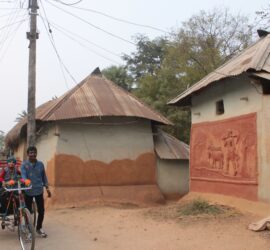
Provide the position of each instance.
(219, 107)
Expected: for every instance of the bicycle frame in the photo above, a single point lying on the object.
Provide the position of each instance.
(17, 211)
(11, 200)
(22, 216)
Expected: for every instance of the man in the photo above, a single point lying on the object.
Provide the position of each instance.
(34, 170)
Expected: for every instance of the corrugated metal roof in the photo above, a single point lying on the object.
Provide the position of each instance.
(168, 147)
(254, 58)
(95, 96)
(264, 75)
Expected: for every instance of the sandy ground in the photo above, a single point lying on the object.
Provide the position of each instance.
(126, 227)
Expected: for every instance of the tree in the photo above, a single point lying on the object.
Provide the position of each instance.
(204, 42)
(21, 115)
(2, 140)
(264, 17)
(118, 75)
(147, 58)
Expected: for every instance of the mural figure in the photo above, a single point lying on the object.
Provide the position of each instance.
(225, 150)
(216, 157)
(230, 141)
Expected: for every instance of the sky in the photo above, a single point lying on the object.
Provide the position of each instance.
(83, 40)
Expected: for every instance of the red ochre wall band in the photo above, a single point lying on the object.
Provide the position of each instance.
(223, 157)
(69, 170)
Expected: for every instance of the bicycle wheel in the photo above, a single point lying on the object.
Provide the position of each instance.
(26, 230)
(34, 213)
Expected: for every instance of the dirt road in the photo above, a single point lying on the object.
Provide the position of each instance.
(122, 228)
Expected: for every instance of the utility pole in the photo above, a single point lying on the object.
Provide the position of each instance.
(31, 105)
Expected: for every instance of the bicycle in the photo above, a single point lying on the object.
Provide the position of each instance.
(34, 212)
(21, 215)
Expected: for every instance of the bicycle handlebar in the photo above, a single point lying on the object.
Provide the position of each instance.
(17, 189)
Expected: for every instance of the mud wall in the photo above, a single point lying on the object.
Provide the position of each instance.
(240, 96)
(20, 151)
(264, 150)
(225, 152)
(70, 170)
(139, 195)
(105, 139)
(116, 152)
(173, 177)
(46, 142)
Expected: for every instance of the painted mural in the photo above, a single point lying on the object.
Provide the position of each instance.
(225, 150)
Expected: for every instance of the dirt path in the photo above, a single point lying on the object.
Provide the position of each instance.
(107, 228)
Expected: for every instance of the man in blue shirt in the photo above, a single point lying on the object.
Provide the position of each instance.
(34, 170)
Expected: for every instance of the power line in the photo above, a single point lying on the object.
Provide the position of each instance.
(5, 35)
(92, 25)
(7, 47)
(84, 39)
(12, 8)
(77, 41)
(8, 14)
(62, 65)
(68, 4)
(111, 60)
(116, 18)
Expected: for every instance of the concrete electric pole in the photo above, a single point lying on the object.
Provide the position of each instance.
(31, 107)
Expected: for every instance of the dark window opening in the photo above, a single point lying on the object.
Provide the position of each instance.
(219, 107)
(265, 87)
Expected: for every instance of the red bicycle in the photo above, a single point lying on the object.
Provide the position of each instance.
(16, 214)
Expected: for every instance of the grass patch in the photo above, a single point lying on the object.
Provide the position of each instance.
(200, 207)
(195, 209)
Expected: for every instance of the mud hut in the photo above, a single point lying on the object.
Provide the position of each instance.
(230, 133)
(97, 144)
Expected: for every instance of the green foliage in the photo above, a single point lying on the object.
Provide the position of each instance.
(164, 67)
(2, 140)
(200, 207)
(119, 76)
(147, 58)
(203, 43)
(21, 115)
(208, 40)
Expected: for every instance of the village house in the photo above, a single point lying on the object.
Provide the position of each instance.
(230, 133)
(97, 145)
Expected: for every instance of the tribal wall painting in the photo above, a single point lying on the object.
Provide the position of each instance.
(225, 150)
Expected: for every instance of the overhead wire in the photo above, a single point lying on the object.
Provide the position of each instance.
(6, 26)
(10, 41)
(5, 35)
(8, 14)
(51, 39)
(48, 32)
(69, 4)
(12, 8)
(92, 25)
(84, 39)
(116, 18)
(73, 39)
(8, 23)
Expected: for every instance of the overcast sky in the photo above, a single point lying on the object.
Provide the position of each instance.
(82, 41)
